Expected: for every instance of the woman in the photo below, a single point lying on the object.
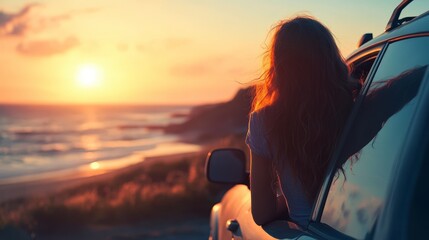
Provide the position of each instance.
(298, 112)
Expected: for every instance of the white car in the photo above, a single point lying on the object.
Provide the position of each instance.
(384, 193)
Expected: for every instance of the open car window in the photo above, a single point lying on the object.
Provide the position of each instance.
(361, 68)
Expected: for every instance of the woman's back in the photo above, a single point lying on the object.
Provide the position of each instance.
(299, 110)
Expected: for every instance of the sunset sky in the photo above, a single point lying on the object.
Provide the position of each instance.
(154, 52)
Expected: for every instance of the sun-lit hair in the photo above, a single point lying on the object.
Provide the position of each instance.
(305, 97)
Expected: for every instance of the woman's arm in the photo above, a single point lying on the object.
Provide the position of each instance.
(266, 206)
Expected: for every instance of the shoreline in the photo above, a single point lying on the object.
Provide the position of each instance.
(60, 180)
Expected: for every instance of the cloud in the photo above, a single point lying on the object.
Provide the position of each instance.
(25, 22)
(16, 24)
(70, 14)
(199, 68)
(47, 47)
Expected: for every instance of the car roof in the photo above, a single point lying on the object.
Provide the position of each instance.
(419, 25)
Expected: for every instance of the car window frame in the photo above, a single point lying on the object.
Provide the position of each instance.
(315, 225)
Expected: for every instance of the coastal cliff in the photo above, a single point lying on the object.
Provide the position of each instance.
(209, 122)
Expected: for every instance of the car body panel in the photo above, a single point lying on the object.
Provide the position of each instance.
(240, 210)
(232, 203)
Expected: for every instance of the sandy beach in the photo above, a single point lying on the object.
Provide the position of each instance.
(58, 181)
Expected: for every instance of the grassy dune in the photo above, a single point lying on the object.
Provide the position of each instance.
(162, 189)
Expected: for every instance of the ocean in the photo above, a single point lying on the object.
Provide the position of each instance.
(41, 142)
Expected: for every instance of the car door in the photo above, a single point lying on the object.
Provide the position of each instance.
(356, 198)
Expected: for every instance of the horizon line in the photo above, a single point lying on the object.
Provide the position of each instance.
(66, 104)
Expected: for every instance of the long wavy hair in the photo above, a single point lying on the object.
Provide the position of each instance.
(305, 98)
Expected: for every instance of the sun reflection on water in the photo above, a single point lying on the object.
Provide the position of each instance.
(90, 142)
(94, 165)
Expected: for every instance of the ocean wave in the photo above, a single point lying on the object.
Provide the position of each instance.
(39, 135)
(30, 133)
(37, 132)
(59, 148)
(121, 143)
(34, 139)
(28, 149)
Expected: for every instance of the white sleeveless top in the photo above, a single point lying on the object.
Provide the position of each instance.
(298, 205)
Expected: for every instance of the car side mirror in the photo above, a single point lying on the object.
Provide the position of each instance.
(227, 165)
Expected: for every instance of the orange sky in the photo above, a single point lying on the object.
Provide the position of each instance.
(149, 52)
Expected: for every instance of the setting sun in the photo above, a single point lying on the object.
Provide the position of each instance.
(88, 76)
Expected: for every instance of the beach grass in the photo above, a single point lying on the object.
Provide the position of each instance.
(161, 189)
